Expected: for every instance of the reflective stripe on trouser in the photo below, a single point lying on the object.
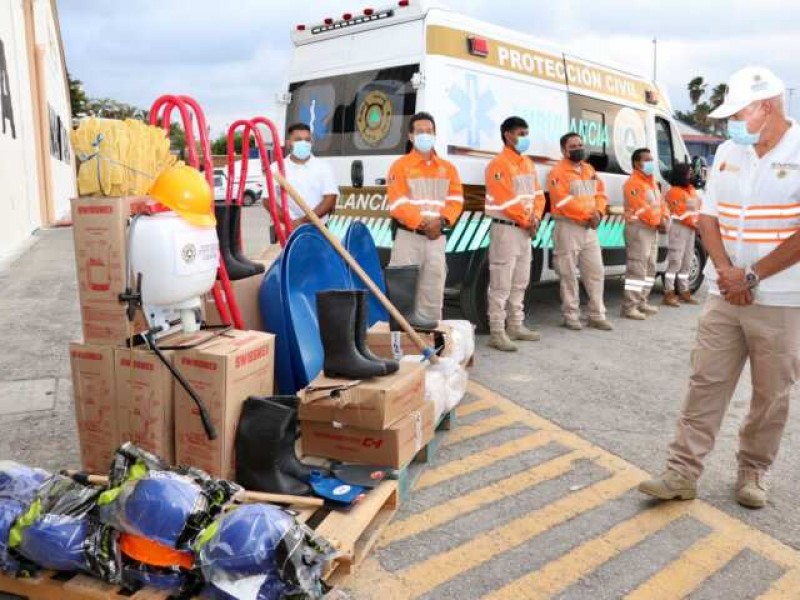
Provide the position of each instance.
(681, 251)
(577, 250)
(641, 249)
(727, 336)
(509, 274)
(412, 249)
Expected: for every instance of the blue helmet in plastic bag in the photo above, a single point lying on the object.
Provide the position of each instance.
(9, 511)
(20, 483)
(57, 542)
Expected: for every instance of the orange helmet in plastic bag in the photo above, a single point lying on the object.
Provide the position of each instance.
(185, 190)
(152, 553)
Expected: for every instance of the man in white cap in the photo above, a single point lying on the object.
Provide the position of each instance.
(750, 226)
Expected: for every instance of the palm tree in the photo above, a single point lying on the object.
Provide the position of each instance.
(718, 94)
(697, 88)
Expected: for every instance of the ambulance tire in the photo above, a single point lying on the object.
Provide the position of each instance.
(696, 276)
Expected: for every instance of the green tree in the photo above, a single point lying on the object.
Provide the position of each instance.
(718, 94)
(77, 97)
(697, 89)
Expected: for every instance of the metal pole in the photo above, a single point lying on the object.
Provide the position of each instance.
(655, 58)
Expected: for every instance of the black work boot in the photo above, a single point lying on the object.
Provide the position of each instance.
(235, 218)
(401, 286)
(336, 312)
(236, 270)
(362, 308)
(289, 462)
(261, 441)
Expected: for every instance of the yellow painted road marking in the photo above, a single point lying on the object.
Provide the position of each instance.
(462, 410)
(460, 505)
(683, 575)
(559, 574)
(486, 458)
(784, 588)
(466, 432)
(425, 576)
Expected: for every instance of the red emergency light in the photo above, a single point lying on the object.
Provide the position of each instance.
(328, 21)
(368, 12)
(478, 46)
(403, 3)
(301, 28)
(347, 16)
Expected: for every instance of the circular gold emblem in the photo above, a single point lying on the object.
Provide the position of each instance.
(374, 117)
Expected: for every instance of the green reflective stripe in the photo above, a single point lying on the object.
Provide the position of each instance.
(205, 536)
(466, 239)
(481, 239)
(544, 237)
(384, 235)
(23, 522)
(458, 230)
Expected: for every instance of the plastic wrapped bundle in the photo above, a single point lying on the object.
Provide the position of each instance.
(259, 552)
(463, 340)
(20, 483)
(148, 563)
(163, 504)
(9, 511)
(58, 531)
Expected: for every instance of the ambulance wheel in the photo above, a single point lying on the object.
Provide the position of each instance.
(474, 295)
(696, 276)
(249, 198)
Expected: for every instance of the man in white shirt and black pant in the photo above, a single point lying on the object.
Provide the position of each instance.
(750, 226)
(312, 177)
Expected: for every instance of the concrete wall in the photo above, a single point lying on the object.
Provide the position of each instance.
(37, 176)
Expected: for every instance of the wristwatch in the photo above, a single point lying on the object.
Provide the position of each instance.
(751, 277)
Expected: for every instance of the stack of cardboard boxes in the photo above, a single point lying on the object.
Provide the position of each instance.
(127, 394)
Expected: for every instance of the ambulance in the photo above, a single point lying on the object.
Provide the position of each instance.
(357, 79)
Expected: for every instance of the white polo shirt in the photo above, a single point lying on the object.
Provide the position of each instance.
(757, 202)
(312, 180)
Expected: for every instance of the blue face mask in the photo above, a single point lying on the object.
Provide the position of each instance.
(424, 142)
(649, 167)
(737, 131)
(522, 145)
(301, 149)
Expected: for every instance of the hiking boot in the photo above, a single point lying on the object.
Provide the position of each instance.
(633, 314)
(751, 489)
(687, 298)
(648, 310)
(671, 485)
(601, 324)
(671, 299)
(523, 334)
(573, 324)
(500, 341)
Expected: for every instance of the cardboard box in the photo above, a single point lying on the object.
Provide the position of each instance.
(95, 406)
(372, 404)
(145, 406)
(246, 292)
(397, 344)
(392, 447)
(100, 227)
(223, 372)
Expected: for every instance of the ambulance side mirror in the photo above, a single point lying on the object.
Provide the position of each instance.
(357, 173)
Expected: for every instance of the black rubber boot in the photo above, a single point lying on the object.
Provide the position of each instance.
(235, 244)
(289, 462)
(261, 440)
(336, 312)
(401, 287)
(236, 270)
(362, 308)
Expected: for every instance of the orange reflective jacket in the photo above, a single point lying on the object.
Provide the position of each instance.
(684, 204)
(576, 192)
(512, 189)
(420, 188)
(643, 200)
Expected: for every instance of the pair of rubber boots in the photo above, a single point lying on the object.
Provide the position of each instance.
(229, 218)
(401, 287)
(266, 460)
(342, 317)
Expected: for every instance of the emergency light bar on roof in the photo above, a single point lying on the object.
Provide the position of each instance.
(359, 20)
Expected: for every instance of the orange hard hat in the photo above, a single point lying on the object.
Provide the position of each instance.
(185, 191)
(152, 553)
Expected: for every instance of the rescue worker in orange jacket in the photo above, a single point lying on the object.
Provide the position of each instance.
(425, 198)
(645, 215)
(684, 204)
(577, 203)
(515, 204)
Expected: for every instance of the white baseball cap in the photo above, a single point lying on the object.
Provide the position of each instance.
(745, 86)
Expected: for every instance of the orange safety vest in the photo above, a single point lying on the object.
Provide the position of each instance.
(684, 204)
(420, 188)
(576, 194)
(512, 189)
(643, 201)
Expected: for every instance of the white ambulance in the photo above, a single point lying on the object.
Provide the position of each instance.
(356, 80)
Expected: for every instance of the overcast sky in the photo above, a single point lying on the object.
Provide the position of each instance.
(232, 55)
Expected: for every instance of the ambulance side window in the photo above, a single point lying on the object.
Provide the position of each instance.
(665, 148)
(317, 103)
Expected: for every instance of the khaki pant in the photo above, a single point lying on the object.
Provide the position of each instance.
(509, 274)
(577, 250)
(727, 336)
(681, 251)
(412, 249)
(641, 249)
